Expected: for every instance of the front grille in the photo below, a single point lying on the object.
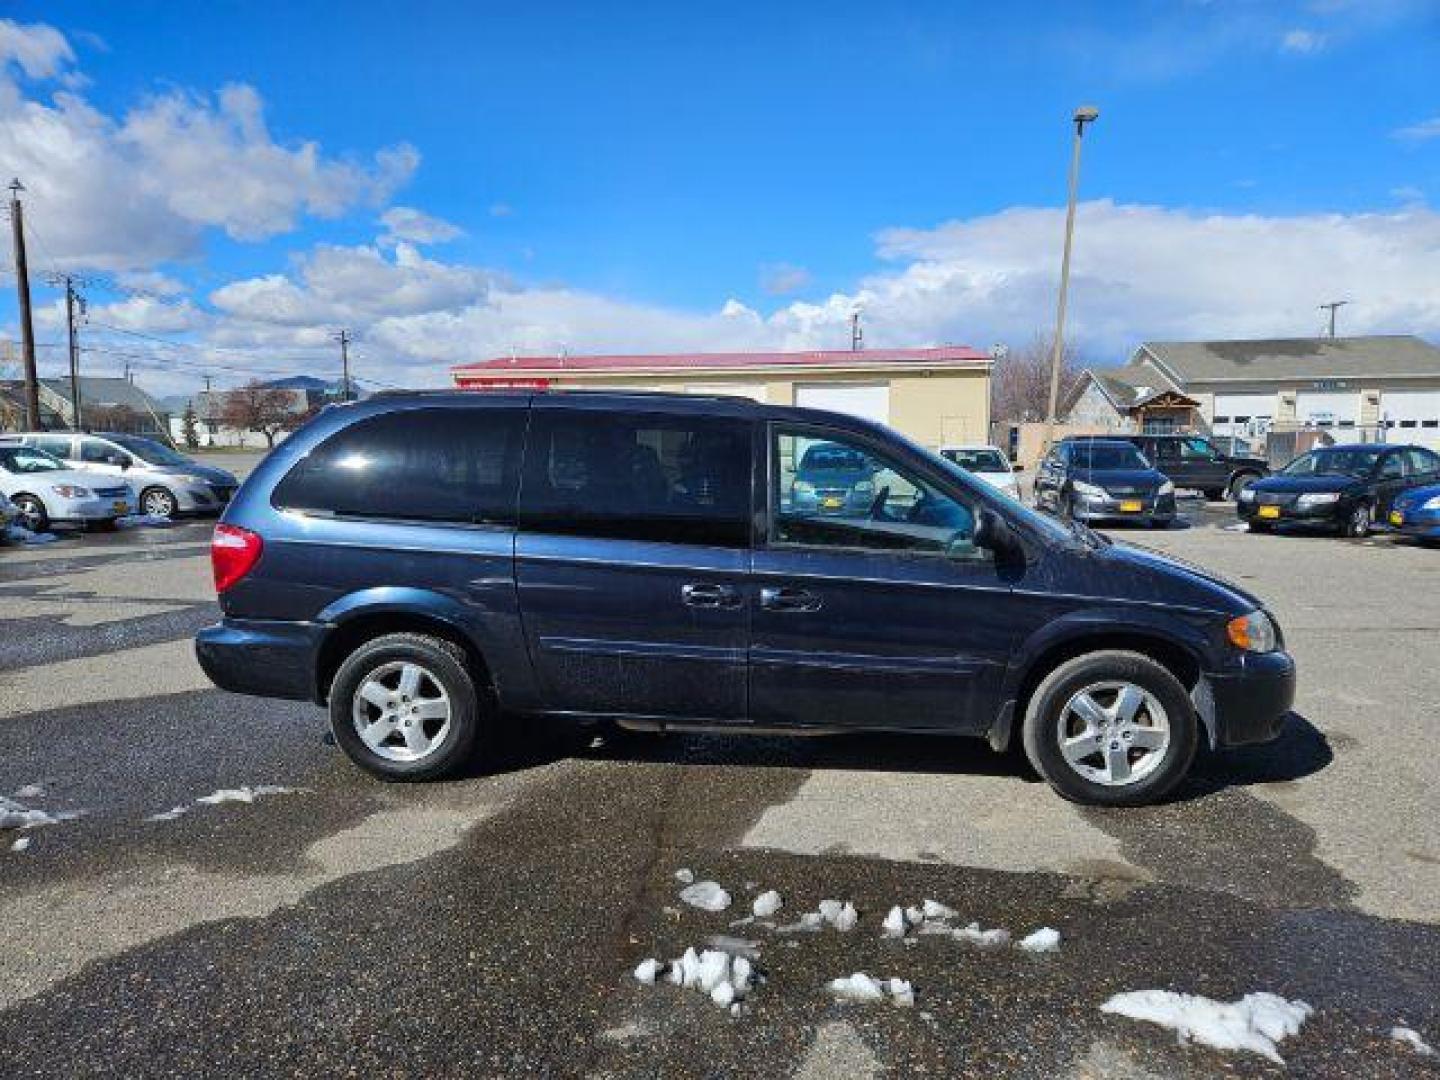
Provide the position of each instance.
(1275, 498)
(113, 493)
(832, 493)
(1127, 492)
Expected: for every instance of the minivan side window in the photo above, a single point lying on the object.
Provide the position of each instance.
(95, 452)
(880, 505)
(638, 476)
(457, 465)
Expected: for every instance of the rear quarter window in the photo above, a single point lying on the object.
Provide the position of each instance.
(458, 465)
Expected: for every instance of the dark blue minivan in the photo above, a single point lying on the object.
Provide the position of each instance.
(423, 563)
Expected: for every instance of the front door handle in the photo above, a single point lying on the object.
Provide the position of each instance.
(781, 598)
(707, 595)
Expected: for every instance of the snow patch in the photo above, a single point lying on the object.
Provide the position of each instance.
(246, 794)
(767, 904)
(169, 815)
(895, 924)
(31, 791)
(685, 876)
(16, 815)
(997, 938)
(706, 895)
(933, 909)
(24, 842)
(724, 978)
(1041, 941)
(18, 534)
(835, 913)
(1257, 1022)
(1413, 1039)
(861, 988)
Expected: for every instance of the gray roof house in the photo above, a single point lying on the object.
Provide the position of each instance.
(105, 403)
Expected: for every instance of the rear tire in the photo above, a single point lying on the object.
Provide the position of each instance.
(407, 731)
(158, 502)
(1139, 744)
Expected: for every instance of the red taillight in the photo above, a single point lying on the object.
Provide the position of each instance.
(233, 554)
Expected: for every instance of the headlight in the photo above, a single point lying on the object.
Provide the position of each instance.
(1318, 498)
(1253, 633)
(70, 491)
(1432, 503)
(1088, 490)
(1167, 488)
(1247, 495)
(803, 487)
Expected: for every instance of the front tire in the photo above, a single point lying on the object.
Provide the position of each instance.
(1112, 728)
(405, 707)
(158, 502)
(1359, 522)
(32, 512)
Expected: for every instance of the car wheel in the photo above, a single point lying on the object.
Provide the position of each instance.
(1111, 728)
(32, 512)
(1359, 521)
(1240, 483)
(405, 707)
(158, 502)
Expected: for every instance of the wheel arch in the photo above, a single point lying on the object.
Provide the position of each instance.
(360, 624)
(1170, 651)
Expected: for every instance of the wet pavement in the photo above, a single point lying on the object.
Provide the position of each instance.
(488, 926)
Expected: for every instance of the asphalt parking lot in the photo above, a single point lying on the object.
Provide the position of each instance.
(489, 926)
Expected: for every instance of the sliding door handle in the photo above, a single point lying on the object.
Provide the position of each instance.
(781, 598)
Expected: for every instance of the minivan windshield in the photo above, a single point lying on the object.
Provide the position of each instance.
(983, 460)
(1334, 462)
(829, 457)
(26, 459)
(148, 450)
(1088, 455)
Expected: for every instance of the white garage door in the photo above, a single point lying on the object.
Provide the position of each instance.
(1412, 416)
(1328, 409)
(869, 401)
(1243, 414)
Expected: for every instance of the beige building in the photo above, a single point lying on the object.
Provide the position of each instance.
(936, 396)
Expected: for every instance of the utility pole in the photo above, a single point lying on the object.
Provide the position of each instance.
(1086, 114)
(1330, 307)
(72, 301)
(27, 328)
(343, 337)
(857, 335)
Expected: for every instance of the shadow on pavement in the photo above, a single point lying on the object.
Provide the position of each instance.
(1301, 750)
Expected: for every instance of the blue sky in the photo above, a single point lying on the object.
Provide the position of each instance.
(655, 176)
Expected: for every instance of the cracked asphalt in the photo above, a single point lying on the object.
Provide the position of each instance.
(487, 926)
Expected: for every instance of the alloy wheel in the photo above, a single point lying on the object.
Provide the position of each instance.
(401, 712)
(1360, 521)
(32, 513)
(158, 503)
(1113, 733)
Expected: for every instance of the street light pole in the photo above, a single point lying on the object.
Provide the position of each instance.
(1086, 114)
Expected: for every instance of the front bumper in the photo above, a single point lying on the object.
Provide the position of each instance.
(1123, 507)
(1333, 513)
(1248, 704)
(1421, 523)
(266, 659)
(92, 509)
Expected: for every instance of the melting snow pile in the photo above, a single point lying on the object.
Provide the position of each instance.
(723, 978)
(767, 904)
(706, 895)
(685, 877)
(997, 938)
(841, 916)
(18, 534)
(1042, 940)
(1256, 1022)
(933, 917)
(1412, 1038)
(862, 988)
(16, 815)
(24, 842)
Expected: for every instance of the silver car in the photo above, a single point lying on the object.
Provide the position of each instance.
(166, 483)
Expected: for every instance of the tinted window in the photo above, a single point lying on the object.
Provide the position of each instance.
(1089, 455)
(151, 451)
(1392, 467)
(1197, 450)
(96, 452)
(1338, 462)
(58, 445)
(638, 476)
(457, 465)
(889, 508)
(991, 461)
(1422, 461)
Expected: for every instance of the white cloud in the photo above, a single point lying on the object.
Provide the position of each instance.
(138, 190)
(1302, 42)
(1424, 131)
(417, 227)
(1139, 272)
(780, 279)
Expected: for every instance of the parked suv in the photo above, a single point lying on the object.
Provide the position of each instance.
(1198, 464)
(424, 563)
(166, 482)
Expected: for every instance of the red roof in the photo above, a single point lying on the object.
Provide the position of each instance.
(944, 355)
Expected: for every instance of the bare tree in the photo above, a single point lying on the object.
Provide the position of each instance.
(1020, 381)
(121, 418)
(258, 408)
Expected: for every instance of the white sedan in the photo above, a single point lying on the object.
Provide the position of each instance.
(44, 490)
(989, 463)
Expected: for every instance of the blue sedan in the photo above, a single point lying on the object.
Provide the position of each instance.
(1417, 513)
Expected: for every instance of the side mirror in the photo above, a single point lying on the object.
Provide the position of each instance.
(995, 534)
